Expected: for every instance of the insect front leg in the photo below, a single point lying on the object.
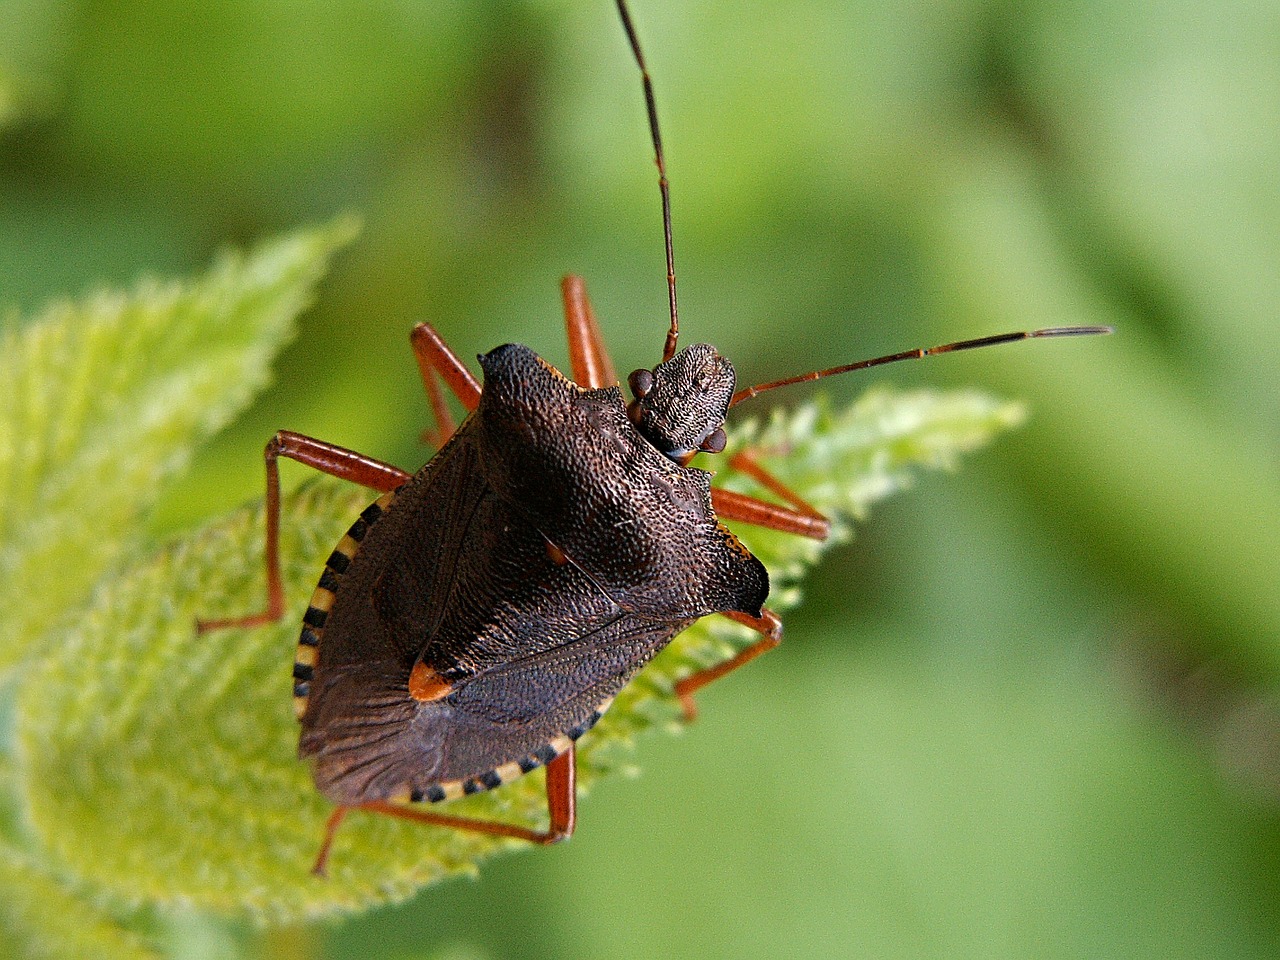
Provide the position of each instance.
(562, 806)
(767, 624)
(588, 358)
(327, 458)
(730, 505)
(437, 362)
(801, 518)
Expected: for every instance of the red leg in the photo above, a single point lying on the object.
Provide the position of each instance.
(562, 799)
(445, 425)
(745, 462)
(588, 358)
(436, 360)
(327, 458)
(800, 518)
(738, 506)
(770, 628)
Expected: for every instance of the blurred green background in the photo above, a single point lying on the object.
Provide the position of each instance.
(1031, 710)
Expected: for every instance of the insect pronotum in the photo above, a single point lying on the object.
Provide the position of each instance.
(481, 615)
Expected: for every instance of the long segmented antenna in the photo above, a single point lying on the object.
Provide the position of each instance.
(919, 354)
(669, 348)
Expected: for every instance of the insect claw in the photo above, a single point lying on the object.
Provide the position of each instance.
(689, 706)
(238, 623)
(320, 867)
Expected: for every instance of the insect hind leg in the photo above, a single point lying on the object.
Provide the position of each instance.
(327, 458)
(561, 806)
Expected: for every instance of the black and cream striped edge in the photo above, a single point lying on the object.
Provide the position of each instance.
(313, 621)
(452, 789)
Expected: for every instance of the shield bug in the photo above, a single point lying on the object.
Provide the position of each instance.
(480, 616)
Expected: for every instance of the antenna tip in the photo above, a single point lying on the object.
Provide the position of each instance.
(1071, 331)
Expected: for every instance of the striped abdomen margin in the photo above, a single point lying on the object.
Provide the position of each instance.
(304, 664)
(452, 789)
(313, 621)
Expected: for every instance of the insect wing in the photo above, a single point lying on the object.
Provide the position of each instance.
(526, 647)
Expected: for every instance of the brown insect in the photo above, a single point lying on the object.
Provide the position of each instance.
(480, 616)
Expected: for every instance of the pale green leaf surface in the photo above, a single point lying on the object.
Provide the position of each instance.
(41, 920)
(160, 767)
(106, 400)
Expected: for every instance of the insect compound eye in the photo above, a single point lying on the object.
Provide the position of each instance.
(641, 382)
(715, 441)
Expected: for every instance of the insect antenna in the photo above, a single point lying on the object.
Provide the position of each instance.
(919, 354)
(669, 348)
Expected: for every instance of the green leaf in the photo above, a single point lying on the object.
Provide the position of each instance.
(159, 767)
(106, 400)
(42, 920)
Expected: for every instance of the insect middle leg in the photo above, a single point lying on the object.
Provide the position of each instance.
(327, 458)
(588, 358)
(768, 625)
(562, 805)
(799, 518)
